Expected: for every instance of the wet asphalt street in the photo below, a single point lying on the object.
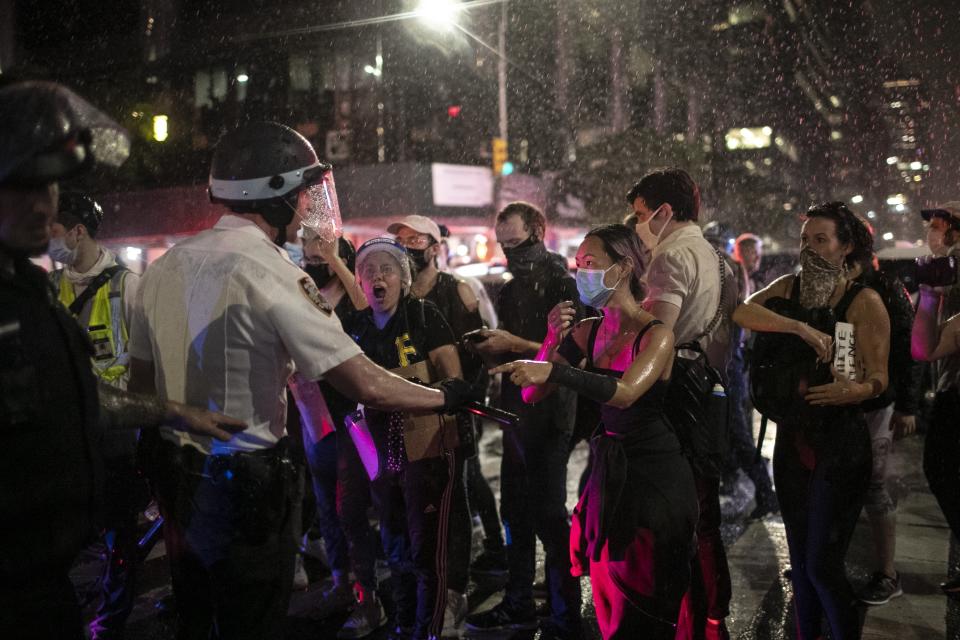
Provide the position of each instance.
(757, 553)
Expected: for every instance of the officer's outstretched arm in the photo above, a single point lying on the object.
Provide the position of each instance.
(124, 410)
(360, 379)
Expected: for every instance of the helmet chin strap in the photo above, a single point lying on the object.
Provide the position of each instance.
(279, 217)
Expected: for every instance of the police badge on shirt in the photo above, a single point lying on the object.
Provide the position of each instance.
(309, 289)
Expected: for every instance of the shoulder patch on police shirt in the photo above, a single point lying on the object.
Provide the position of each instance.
(309, 289)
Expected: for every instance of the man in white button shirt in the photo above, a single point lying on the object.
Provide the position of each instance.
(224, 318)
(684, 292)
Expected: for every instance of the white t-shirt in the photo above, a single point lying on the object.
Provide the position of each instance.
(224, 316)
(684, 271)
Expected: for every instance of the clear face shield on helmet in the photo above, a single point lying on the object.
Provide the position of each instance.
(321, 211)
(50, 133)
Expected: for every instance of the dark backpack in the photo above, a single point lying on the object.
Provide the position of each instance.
(783, 366)
(697, 409)
(696, 404)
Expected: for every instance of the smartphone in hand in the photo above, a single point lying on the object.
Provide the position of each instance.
(477, 335)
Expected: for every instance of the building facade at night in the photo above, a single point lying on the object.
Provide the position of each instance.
(767, 102)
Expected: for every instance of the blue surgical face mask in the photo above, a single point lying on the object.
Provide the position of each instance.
(59, 251)
(593, 292)
(295, 251)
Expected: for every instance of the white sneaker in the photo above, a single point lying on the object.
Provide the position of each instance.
(454, 615)
(367, 616)
(300, 578)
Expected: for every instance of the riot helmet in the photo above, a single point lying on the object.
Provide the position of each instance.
(262, 168)
(50, 133)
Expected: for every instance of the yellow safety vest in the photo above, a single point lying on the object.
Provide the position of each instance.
(105, 325)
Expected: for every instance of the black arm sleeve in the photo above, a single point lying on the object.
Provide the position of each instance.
(570, 350)
(592, 385)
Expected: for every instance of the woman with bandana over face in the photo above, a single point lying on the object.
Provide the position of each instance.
(822, 458)
(633, 530)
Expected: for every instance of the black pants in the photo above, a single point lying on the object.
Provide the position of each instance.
(743, 448)
(822, 489)
(125, 496)
(229, 532)
(710, 584)
(414, 508)
(460, 538)
(533, 504)
(40, 606)
(941, 456)
(353, 502)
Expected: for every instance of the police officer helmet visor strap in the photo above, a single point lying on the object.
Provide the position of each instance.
(267, 187)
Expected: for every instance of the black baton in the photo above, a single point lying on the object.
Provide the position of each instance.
(505, 418)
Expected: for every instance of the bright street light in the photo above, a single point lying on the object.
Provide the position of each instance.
(438, 14)
(857, 199)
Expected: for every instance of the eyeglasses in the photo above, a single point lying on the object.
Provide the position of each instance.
(419, 241)
(370, 271)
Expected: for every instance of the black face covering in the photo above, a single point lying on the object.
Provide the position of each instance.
(321, 273)
(523, 258)
(419, 258)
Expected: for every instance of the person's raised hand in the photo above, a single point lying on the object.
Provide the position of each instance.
(560, 319)
(525, 373)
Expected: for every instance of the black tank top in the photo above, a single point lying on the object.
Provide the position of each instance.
(643, 420)
(783, 366)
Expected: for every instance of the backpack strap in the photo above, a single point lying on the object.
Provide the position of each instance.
(718, 315)
(103, 278)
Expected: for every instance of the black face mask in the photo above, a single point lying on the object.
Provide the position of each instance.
(321, 274)
(419, 258)
(523, 258)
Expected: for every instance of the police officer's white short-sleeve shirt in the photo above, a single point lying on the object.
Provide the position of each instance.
(224, 316)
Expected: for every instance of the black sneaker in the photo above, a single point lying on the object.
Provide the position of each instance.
(502, 616)
(952, 586)
(881, 589)
(490, 562)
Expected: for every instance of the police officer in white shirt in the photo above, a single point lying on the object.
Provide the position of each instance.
(223, 319)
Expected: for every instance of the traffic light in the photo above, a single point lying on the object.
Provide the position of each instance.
(499, 155)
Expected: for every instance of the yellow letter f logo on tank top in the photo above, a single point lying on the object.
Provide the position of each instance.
(404, 349)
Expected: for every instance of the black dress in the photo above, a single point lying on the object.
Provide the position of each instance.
(634, 526)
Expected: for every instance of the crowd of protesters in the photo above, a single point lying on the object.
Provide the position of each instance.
(656, 351)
